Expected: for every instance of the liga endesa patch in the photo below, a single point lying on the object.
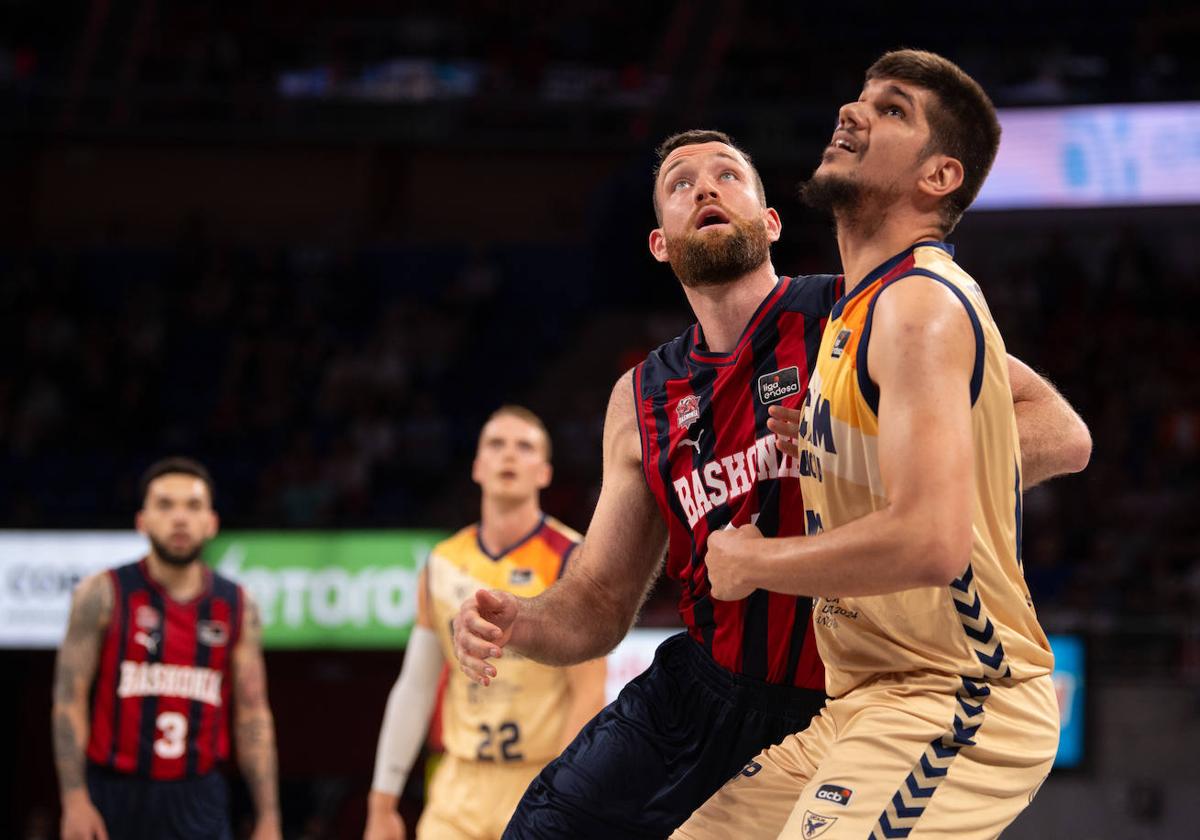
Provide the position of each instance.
(774, 386)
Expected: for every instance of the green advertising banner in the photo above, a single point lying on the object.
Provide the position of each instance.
(328, 589)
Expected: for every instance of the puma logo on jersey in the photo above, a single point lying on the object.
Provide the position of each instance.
(693, 443)
(147, 640)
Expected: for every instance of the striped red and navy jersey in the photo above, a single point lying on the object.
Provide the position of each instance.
(160, 704)
(712, 463)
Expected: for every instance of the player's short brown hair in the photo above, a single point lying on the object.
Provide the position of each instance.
(521, 413)
(962, 121)
(694, 137)
(170, 466)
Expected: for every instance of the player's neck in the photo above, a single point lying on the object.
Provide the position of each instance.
(503, 522)
(865, 243)
(182, 583)
(723, 311)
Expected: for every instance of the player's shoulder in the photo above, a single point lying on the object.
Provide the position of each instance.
(97, 585)
(812, 294)
(227, 587)
(465, 539)
(552, 526)
(667, 361)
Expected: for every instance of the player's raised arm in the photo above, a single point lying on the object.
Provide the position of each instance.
(588, 611)
(405, 722)
(1054, 438)
(923, 536)
(254, 726)
(74, 669)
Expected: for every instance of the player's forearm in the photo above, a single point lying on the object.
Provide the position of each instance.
(70, 727)
(571, 622)
(1054, 439)
(880, 553)
(255, 737)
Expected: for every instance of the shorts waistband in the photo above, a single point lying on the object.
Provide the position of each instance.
(109, 773)
(708, 673)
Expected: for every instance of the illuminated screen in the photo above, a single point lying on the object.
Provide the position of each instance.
(1095, 156)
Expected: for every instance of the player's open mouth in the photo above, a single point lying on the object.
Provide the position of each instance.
(710, 216)
(841, 141)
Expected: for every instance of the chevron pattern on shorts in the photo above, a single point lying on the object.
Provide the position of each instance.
(909, 802)
(981, 633)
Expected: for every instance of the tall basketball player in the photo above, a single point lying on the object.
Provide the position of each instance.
(169, 651)
(943, 721)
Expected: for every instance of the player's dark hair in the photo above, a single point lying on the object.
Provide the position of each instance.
(962, 120)
(522, 413)
(694, 137)
(176, 464)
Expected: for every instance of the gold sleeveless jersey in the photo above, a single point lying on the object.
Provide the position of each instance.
(983, 625)
(519, 717)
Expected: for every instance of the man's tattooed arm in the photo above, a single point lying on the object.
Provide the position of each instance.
(254, 727)
(74, 669)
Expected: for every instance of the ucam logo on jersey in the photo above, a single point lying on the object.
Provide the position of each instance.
(772, 387)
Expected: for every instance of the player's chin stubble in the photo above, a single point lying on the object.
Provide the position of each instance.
(173, 558)
(700, 259)
(833, 194)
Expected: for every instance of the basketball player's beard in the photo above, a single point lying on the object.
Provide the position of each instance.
(705, 260)
(172, 558)
(851, 203)
(837, 195)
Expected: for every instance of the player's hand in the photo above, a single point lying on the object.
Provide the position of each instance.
(482, 628)
(81, 821)
(727, 558)
(785, 423)
(384, 825)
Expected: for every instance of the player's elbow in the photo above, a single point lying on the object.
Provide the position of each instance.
(1076, 449)
(943, 555)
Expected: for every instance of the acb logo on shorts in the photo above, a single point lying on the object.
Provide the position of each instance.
(836, 794)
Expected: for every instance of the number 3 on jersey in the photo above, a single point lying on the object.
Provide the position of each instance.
(511, 734)
(173, 742)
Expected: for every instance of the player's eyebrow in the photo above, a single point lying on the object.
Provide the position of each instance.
(896, 90)
(680, 160)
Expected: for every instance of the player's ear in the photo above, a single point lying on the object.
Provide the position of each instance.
(475, 469)
(773, 222)
(658, 245)
(544, 475)
(138, 523)
(940, 176)
(214, 524)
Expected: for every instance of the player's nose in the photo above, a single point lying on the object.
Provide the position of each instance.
(850, 115)
(706, 189)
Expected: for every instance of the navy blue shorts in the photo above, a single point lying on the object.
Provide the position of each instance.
(135, 808)
(672, 737)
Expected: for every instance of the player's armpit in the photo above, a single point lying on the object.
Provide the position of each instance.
(589, 610)
(1054, 438)
(74, 670)
(254, 726)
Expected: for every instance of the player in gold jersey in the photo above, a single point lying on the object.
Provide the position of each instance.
(943, 721)
(496, 740)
